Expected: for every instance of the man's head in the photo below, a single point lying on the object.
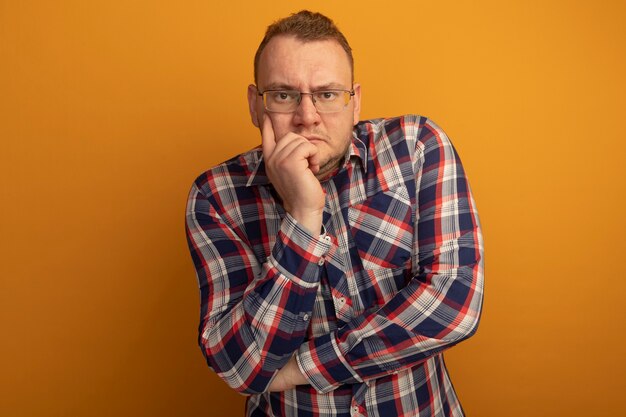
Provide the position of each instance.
(305, 26)
(306, 53)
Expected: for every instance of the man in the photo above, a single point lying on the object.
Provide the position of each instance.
(341, 258)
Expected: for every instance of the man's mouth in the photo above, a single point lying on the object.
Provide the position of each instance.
(315, 138)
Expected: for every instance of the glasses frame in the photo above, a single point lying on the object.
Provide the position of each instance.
(300, 93)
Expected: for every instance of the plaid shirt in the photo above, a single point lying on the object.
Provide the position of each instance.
(369, 306)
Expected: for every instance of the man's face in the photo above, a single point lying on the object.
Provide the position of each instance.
(290, 64)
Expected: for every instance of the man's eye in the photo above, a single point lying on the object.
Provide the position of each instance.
(283, 96)
(327, 95)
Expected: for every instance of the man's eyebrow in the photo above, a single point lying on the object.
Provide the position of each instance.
(323, 87)
(331, 86)
(280, 86)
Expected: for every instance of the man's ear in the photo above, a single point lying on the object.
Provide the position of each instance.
(357, 102)
(252, 104)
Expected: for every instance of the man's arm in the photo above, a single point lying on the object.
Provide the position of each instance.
(253, 316)
(439, 307)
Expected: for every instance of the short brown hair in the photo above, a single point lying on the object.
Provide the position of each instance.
(305, 26)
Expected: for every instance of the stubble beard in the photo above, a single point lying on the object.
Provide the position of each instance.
(334, 162)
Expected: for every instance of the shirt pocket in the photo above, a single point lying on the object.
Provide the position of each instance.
(382, 229)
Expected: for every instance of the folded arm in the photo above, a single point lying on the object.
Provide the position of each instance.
(439, 307)
(253, 315)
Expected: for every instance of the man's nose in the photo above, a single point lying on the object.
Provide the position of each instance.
(306, 113)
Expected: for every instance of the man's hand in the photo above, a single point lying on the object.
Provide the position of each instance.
(288, 377)
(291, 163)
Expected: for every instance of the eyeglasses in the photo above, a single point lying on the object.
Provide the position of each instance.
(287, 101)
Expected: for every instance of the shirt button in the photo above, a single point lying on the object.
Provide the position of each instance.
(342, 300)
(305, 317)
(321, 262)
(354, 411)
(327, 238)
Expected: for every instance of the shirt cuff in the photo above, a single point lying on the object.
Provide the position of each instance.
(297, 254)
(323, 364)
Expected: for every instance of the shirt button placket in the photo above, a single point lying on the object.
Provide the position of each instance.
(322, 260)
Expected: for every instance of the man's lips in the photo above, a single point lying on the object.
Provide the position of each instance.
(312, 138)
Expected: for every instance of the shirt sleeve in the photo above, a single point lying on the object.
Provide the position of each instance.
(253, 315)
(439, 307)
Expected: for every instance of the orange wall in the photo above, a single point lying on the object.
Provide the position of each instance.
(109, 109)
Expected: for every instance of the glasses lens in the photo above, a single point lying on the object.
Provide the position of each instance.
(284, 101)
(331, 101)
(287, 101)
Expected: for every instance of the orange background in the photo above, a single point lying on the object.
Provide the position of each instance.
(110, 109)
